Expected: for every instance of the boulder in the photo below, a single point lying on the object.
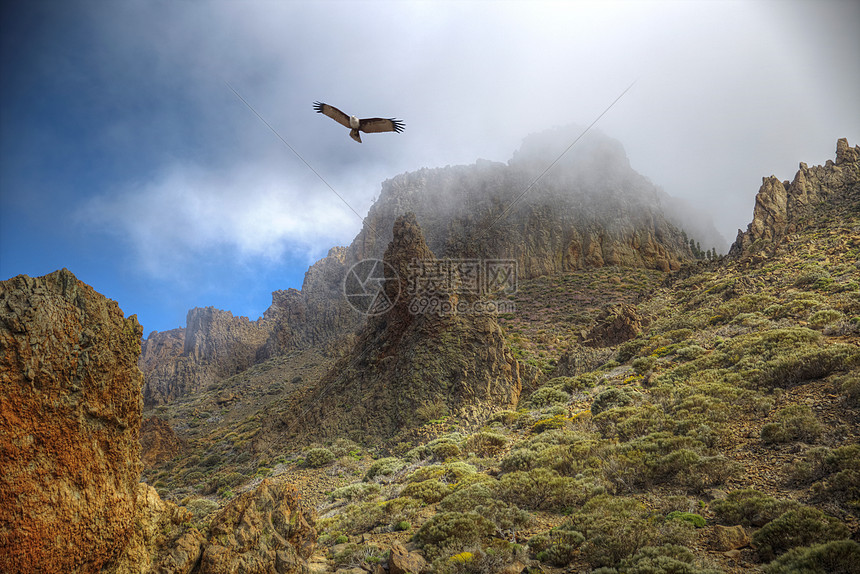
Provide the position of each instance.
(70, 410)
(262, 531)
(402, 561)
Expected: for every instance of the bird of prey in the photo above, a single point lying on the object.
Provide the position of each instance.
(355, 125)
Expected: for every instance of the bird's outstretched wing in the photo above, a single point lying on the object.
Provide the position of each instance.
(376, 125)
(333, 113)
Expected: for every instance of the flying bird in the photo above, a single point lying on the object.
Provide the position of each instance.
(355, 125)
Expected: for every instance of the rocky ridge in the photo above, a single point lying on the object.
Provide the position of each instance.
(70, 451)
(403, 360)
(782, 207)
(590, 210)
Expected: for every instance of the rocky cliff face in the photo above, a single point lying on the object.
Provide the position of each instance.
(215, 344)
(783, 207)
(69, 419)
(405, 359)
(590, 210)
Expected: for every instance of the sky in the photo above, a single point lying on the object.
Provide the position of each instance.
(126, 157)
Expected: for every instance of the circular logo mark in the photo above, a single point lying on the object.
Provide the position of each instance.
(365, 286)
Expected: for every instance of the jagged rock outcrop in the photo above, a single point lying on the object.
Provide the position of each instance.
(214, 344)
(316, 315)
(615, 325)
(405, 358)
(263, 531)
(70, 413)
(782, 207)
(161, 539)
(590, 210)
(158, 442)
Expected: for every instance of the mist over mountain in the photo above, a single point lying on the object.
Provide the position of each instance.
(552, 208)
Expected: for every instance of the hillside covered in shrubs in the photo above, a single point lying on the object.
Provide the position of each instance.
(695, 422)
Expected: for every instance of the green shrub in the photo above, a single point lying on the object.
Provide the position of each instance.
(616, 527)
(629, 349)
(450, 472)
(505, 418)
(355, 518)
(428, 491)
(356, 491)
(694, 519)
(402, 526)
(749, 507)
(557, 547)
(547, 396)
(452, 529)
(821, 319)
(364, 556)
(485, 443)
(542, 488)
(803, 526)
(610, 398)
(552, 423)
(838, 556)
(201, 507)
(445, 450)
(793, 423)
(643, 365)
(523, 458)
(401, 509)
(835, 474)
(318, 457)
(475, 559)
(850, 388)
(383, 467)
(666, 559)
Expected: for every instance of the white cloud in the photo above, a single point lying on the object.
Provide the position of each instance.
(250, 211)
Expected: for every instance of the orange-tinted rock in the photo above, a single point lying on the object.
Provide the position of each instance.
(69, 419)
(263, 531)
(158, 442)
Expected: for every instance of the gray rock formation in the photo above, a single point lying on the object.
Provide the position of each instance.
(782, 207)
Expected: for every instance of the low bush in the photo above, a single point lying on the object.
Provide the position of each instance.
(318, 457)
(449, 472)
(427, 491)
(803, 526)
(355, 518)
(749, 507)
(543, 489)
(666, 559)
(556, 547)
(610, 398)
(356, 491)
(401, 509)
(616, 527)
(383, 467)
(838, 556)
(793, 423)
(485, 443)
(482, 499)
(551, 423)
(821, 319)
(475, 559)
(548, 396)
(457, 529)
(695, 519)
